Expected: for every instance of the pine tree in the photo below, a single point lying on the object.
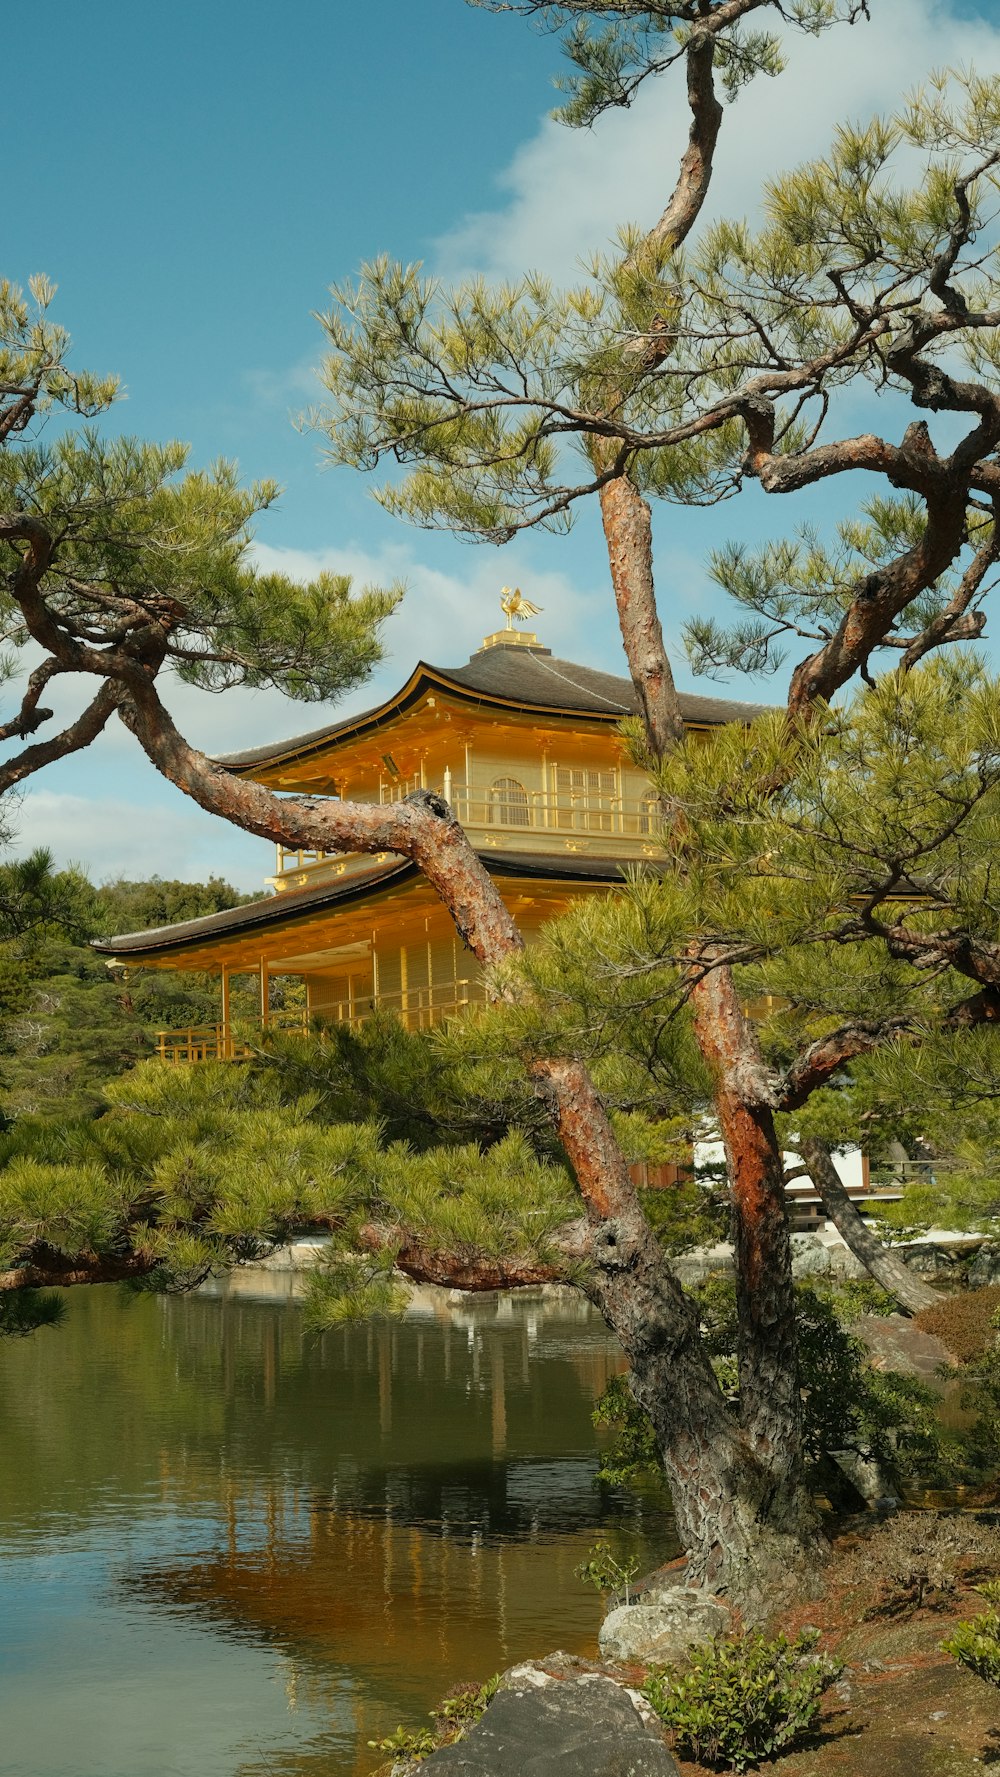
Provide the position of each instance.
(694, 360)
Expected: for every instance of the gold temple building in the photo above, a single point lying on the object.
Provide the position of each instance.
(525, 748)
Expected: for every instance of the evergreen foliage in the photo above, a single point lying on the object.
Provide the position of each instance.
(976, 1644)
(68, 1024)
(138, 526)
(825, 908)
(743, 1699)
(496, 398)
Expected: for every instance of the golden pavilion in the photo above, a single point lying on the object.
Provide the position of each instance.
(527, 750)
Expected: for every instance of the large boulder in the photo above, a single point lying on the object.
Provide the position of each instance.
(660, 1630)
(810, 1257)
(575, 1727)
(894, 1343)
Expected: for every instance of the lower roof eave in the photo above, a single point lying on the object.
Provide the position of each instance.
(294, 905)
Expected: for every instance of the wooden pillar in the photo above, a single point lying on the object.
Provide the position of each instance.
(226, 1046)
(265, 994)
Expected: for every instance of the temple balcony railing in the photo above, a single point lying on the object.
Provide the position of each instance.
(418, 1008)
(508, 818)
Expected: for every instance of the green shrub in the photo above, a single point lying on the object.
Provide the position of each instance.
(469, 1703)
(418, 1744)
(855, 1296)
(452, 1718)
(743, 1698)
(976, 1643)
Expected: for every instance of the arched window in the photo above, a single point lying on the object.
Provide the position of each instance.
(508, 803)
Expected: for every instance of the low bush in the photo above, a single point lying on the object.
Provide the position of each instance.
(919, 1558)
(406, 1744)
(966, 1322)
(742, 1698)
(976, 1643)
(469, 1703)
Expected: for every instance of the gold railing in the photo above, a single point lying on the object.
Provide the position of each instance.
(571, 813)
(416, 1007)
(582, 811)
(199, 1042)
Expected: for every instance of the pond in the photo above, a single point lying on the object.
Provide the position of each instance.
(232, 1549)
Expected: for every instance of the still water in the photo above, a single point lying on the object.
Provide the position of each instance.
(231, 1550)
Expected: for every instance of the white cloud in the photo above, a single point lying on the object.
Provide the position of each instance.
(110, 836)
(566, 192)
(444, 616)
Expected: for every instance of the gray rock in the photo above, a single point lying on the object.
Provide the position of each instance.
(662, 1628)
(930, 1261)
(844, 1263)
(896, 1344)
(810, 1257)
(985, 1268)
(576, 1727)
(868, 1476)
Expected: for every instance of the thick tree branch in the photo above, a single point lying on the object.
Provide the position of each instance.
(770, 1404)
(957, 622)
(818, 1064)
(50, 1269)
(79, 734)
(910, 1292)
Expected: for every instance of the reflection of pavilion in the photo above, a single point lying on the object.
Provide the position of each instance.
(412, 1552)
(390, 1508)
(421, 1613)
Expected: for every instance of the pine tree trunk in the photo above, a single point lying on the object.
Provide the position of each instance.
(628, 532)
(770, 1410)
(743, 1514)
(910, 1291)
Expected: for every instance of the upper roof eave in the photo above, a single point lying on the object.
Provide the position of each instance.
(583, 703)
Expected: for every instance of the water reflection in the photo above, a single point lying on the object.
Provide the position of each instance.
(229, 1549)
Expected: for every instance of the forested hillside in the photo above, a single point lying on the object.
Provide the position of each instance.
(68, 1023)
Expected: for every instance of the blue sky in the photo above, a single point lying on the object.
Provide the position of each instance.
(195, 177)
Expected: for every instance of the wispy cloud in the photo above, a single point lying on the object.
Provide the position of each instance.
(111, 836)
(566, 192)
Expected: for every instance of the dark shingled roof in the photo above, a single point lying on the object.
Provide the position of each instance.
(294, 904)
(526, 676)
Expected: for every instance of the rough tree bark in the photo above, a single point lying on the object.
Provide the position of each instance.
(625, 514)
(763, 1518)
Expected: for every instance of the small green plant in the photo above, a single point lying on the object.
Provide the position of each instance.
(466, 1707)
(976, 1643)
(742, 1698)
(452, 1718)
(604, 1572)
(404, 1743)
